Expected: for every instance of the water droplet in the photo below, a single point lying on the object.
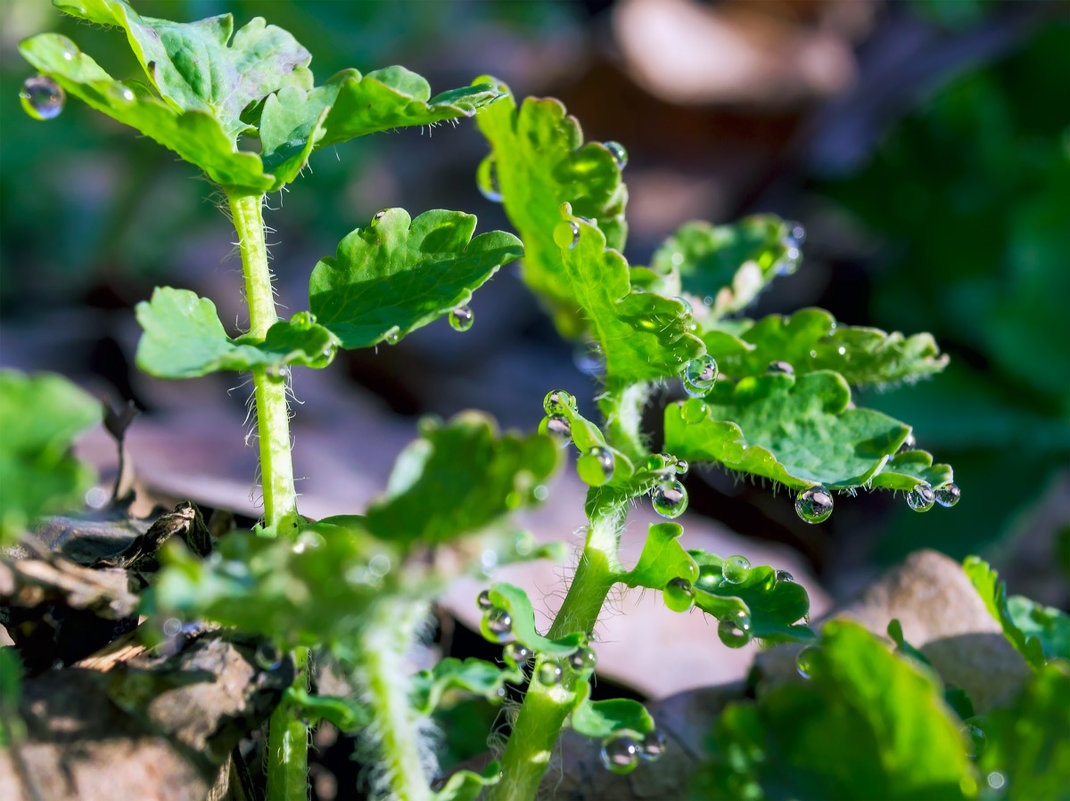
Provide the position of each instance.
(678, 595)
(682, 467)
(654, 745)
(784, 575)
(658, 462)
(909, 444)
(731, 633)
(567, 234)
(806, 660)
(393, 336)
(996, 780)
(620, 155)
(921, 498)
(583, 659)
(267, 656)
(975, 740)
(550, 674)
(620, 753)
(461, 318)
(379, 215)
(735, 569)
(484, 601)
(496, 625)
(669, 499)
(487, 180)
(782, 368)
(41, 97)
(694, 411)
(589, 359)
(948, 495)
(516, 654)
(689, 310)
(796, 234)
(557, 426)
(557, 401)
(596, 466)
(814, 505)
(700, 375)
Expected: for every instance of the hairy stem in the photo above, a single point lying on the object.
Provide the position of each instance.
(381, 672)
(543, 713)
(287, 766)
(622, 409)
(272, 414)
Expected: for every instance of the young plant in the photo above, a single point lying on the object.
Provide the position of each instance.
(769, 398)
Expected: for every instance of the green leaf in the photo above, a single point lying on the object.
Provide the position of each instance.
(183, 338)
(600, 719)
(775, 607)
(994, 593)
(586, 435)
(663, 559)
(466, 785)
(458, 478)
(40, 416)
(1027, 745)
(905, 470)
(197, 67)
(867, 725)
(393, 277)
(643, 336)
(473, 675)
(348, 714)
(1047, 624)
(541, 161)
(811, 340)
(195, 136)
(515, 601)
(797, 431)
(726, 266)
(895, 631)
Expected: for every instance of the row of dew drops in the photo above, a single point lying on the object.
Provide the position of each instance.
(623, 749)
(489, 186)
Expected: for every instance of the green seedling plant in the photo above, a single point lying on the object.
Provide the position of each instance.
(767, 398)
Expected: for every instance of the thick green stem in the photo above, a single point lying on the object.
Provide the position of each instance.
(545, 708)
(383, 676)
(287, 763)
(272, 414)
(287, 768)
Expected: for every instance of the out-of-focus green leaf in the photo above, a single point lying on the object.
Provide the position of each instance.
(458, 478)
(515, 602)
(643, 336)
(663, 558)
(472, 675)
(726, 266)
(183, 338)
(398, 275)
(797, 431)
(994, 593)
(895, 631)
(540, 161)
(1027, 751)
(775, 606)
(867, 725)
(40, 416)
(600, 719)
(1047, 624)
(811, 340)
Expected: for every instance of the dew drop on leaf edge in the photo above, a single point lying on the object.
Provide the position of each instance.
(620, 753)
(557, 426)
(678, 595)
(784, 575)
(700, 375)
(669, 499)
(948, 495)
(596, 466)
(620, 155)
(557, 401)
(483, 600)
(549, 674)
(814, 504)
(804, 661)
(654, 745)
(735, 569)
(582, 659)
(517, 654)
(567, 234)
(921, 498)
(694, 411)
(497, 624)
(461, 318)
(42, 98)
(732, 634)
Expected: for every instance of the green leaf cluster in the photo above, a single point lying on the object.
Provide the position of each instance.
(40, 416)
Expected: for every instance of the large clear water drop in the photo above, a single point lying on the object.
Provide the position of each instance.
(806, 660)
(735, 569)
(654, 745)
(42, 98)
(583, 659)
(620, 155)
(948, 495)
(557, 401)
(557, 426)
(596, 466)
(678, 595)
(497, 624)
(700, 375)
(814, 505)
(731, 632)
(669, 499)
(621, 753)
(550, 674)
(516, 654)
(461, 318)
(921, 498)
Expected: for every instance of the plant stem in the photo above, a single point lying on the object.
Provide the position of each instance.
(623, 412)
(287, 768)
(287, 763)
(543, 713)
(272, 414)
(390, 631)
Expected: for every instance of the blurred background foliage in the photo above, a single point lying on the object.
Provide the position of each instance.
(925, 146)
